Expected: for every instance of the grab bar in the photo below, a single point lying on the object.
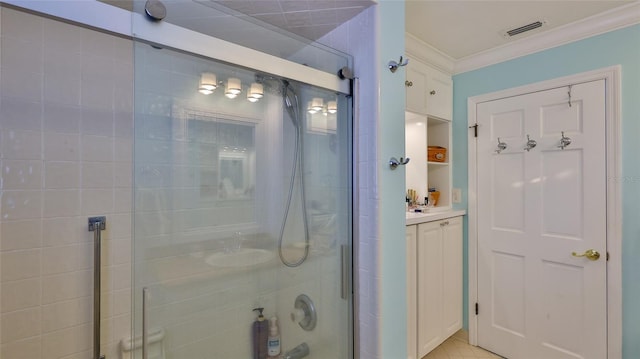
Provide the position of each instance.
(96, 225)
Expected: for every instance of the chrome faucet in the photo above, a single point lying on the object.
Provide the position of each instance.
(298, 352)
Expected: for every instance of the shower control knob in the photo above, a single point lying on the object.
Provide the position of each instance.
(408, 83)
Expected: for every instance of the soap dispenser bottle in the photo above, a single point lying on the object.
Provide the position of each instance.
(259, 333)
(273, 342)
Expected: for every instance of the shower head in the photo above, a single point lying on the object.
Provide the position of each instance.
(290, 99)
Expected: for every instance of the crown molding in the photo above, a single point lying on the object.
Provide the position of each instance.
(613, 19)
(429, 54)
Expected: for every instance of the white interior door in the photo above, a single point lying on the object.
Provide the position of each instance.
(536, 207)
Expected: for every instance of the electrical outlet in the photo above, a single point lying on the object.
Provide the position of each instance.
(456, 195)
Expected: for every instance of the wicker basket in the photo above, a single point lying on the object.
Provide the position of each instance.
(436, 154)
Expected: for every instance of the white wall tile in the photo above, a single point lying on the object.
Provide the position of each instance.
(21, 174)
(62, 79)
(61, 146)
(63, 230)
(20, 324)
(22, 26)
(97, 175)
(20, 294)
(61, 118)
(61, 174)
(20, 234)
(20, 115)
(22, 55)
(59, 36)
(21, 204)
(61, 203)
(60, 259)
(68, 341)
(23, 83)
(21, 264)
(97, 122)
(122, 200)
(123, 150)
(97, 148)
(97, 201)
(60, 287)
(22, 349)
(66, 314)
(22, 145)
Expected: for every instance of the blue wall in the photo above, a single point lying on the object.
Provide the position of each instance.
(391, 247)
(621, 47)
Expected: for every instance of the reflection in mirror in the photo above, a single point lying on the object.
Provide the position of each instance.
(222, 155)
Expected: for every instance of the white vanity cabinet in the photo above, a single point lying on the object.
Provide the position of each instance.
(429, 91)
(434, 284)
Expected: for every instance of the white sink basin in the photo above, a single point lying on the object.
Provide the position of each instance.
(243, 257)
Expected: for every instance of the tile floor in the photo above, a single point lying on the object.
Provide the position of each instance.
(458, 347)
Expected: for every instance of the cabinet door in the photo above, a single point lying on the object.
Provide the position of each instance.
(452, 275)
(412, 292)
(439, 93)
(429, 287)
(415, 85)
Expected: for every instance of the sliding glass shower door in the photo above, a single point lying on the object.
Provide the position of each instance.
(242, 200)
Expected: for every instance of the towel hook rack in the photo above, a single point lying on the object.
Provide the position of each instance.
(393, 65)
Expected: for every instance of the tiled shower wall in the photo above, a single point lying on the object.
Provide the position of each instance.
(66, 149)
(356, 38)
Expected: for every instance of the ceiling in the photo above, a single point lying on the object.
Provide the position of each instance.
(461, 29)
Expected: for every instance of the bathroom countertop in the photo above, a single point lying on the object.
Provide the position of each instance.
(417, 218)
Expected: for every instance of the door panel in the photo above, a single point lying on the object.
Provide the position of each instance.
(429, 284)
(536, 207)
(452, 272)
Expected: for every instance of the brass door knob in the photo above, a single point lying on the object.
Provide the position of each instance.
(591, 254)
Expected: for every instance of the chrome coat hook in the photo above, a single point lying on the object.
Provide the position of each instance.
(564, 141)
(530, 144)
(393, 65)
(501, 146)
(394, 162)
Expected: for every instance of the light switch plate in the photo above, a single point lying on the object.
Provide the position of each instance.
(456, 195)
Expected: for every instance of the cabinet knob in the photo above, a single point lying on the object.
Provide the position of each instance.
(408, 83)
(442, 224)
(433, 92)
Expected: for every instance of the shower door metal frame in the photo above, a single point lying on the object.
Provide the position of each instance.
(133, 25)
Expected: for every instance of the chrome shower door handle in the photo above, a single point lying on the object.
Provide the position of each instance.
(96, 225)
(145, 329)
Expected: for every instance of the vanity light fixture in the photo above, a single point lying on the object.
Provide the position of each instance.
(317, 104)
(332, 107)
(255, 93)
(310, 108)
(233, 88)
(208, 83)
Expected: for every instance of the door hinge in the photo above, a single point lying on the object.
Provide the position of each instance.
(475, 130)
(607, 256)
(476, 308)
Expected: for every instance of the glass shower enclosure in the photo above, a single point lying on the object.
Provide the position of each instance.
(242, 200)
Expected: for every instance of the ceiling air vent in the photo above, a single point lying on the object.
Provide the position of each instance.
(525, 28)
